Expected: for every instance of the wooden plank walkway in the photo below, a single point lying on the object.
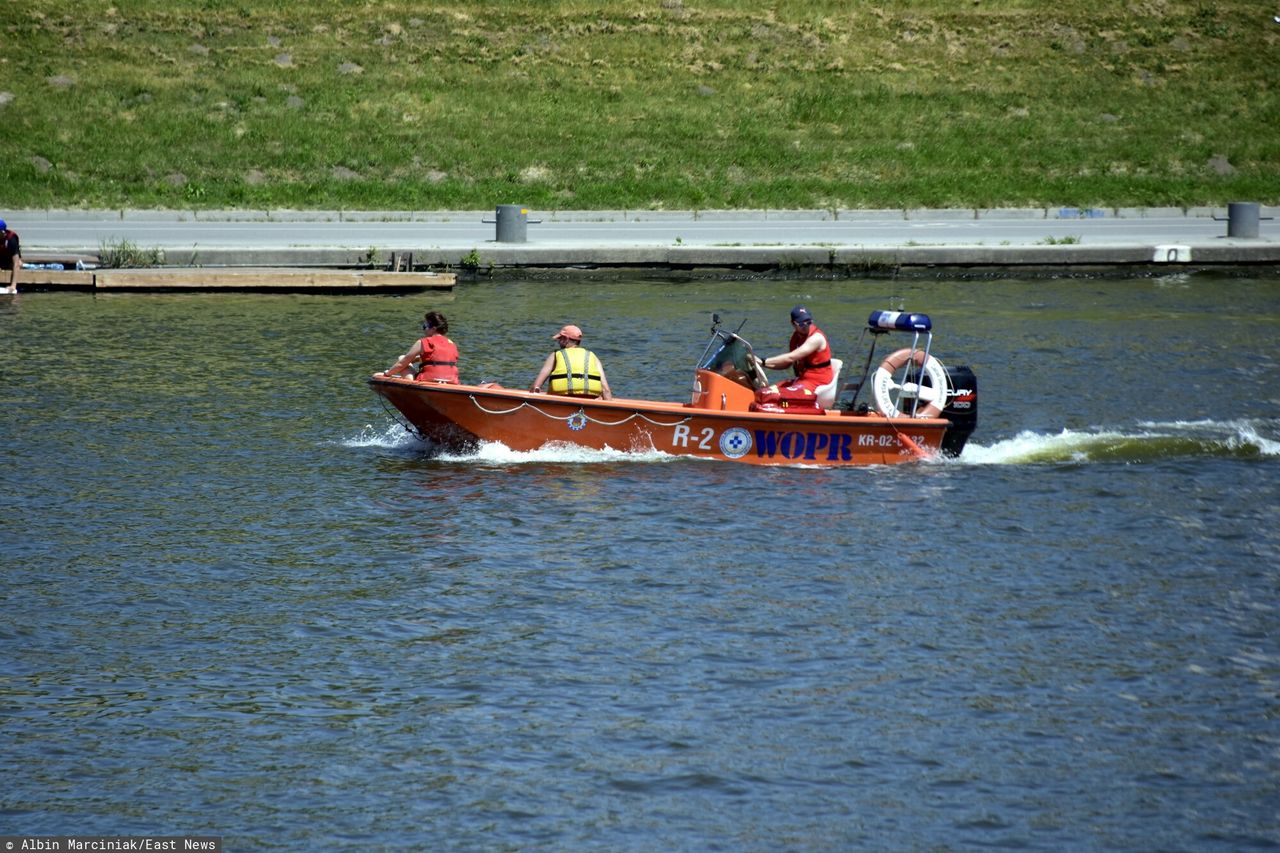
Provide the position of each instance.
(212, 279)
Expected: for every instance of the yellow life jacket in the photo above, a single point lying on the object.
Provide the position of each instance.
(576, 373)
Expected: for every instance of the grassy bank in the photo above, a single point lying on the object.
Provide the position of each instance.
(649, 104)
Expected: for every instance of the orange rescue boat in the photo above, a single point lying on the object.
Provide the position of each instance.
(918, 409)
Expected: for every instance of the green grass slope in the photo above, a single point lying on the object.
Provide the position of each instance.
(673, 104)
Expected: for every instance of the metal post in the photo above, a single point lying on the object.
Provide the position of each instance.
(513, 220)
(1242, 219)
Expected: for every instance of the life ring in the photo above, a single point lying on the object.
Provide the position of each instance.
(889, 392)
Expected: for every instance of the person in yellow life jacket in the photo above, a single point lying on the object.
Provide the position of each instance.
(436, 354)
(809, 355)
(573, 371)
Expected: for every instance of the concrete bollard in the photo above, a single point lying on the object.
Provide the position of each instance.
(1242, 219)
(512, 221)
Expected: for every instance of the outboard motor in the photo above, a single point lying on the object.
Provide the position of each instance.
(961, 409)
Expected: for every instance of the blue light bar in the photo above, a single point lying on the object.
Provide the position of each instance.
(900, 321)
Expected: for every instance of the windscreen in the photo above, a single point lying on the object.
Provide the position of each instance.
(731, 357)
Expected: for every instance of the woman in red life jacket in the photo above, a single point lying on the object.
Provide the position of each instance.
(809, 356)
(437, 356)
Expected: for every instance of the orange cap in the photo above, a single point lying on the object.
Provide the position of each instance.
(569, 331)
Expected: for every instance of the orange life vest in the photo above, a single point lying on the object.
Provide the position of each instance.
(439, 360)
(814, 369)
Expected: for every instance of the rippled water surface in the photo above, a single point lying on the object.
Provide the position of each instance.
(240, 600)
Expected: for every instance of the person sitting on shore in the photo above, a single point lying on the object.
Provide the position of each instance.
(436, 354)
(573, 371)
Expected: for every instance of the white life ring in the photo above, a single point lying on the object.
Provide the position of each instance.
(889, 391)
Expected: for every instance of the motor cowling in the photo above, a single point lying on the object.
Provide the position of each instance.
(961, 409)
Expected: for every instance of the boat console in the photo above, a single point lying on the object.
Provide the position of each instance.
(728, 374)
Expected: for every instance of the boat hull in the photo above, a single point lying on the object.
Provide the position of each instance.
(462, 416)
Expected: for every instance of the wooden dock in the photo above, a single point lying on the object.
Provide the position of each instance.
(243, 279)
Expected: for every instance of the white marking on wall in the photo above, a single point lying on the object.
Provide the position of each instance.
(1172, 254)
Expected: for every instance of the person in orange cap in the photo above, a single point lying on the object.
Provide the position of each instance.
(573, 371)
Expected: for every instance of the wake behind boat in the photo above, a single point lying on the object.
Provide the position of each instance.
(914, 408)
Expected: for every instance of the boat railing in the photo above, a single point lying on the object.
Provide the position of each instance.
(881, 323)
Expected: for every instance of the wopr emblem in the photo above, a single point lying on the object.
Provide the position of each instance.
(735, 442)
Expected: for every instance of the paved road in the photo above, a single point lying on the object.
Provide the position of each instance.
(663, 238)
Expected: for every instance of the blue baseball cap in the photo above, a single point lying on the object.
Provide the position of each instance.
(3, 225)
(800, 314)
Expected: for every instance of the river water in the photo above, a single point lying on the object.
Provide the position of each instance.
(240, 600)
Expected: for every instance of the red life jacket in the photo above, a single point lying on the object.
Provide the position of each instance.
(814, 369)
(439, 360)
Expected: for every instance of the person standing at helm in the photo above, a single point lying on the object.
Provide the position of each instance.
(10, 256)
(809, 356)
(436, 354)
(573, 371)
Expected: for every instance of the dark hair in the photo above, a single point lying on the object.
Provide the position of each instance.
(436, 320)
